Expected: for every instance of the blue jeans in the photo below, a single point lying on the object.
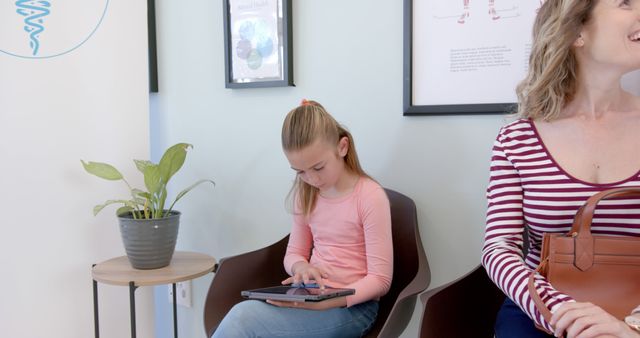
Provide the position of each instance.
(512, 322)
(254, 318)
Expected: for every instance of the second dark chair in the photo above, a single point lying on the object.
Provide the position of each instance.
(411, 274)
(466, 307)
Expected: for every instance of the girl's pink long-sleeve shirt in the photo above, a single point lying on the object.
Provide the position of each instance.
(350, 238)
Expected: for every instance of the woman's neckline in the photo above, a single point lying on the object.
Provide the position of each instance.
(569, 175)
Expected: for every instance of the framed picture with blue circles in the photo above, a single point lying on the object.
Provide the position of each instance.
(257, 43)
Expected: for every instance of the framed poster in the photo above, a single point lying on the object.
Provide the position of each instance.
(153, 49)
(465, 56)
(258, 43)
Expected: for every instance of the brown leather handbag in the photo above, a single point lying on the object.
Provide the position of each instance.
(601, 269)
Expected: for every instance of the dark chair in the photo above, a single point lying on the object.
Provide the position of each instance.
(466, 307)
(264, 267)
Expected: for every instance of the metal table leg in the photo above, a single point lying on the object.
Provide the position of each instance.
(95, 309)
(175, 315)
(132, 305)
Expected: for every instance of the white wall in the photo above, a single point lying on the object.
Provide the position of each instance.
(92, 104)
(348, 56)
(89, 104)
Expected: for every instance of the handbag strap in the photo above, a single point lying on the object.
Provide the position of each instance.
(535, 296)
(584, 217)
(537, 300)
(581, 229)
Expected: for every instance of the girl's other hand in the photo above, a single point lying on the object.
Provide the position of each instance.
(586, 320)
(304, 272)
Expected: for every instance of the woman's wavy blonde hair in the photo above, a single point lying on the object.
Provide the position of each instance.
(302, 127)
(551, 81)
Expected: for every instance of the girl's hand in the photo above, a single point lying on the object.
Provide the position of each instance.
(305, 273)
(322, 305)
(585, 320)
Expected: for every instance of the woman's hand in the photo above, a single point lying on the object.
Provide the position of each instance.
(305, 273)
(585, 320)
(322, 305)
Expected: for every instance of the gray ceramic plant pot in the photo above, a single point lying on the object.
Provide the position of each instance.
(149, 243)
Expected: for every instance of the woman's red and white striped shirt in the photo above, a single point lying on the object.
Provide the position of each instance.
(529, 191)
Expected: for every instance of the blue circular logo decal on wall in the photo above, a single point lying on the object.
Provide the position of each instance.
(40, 29)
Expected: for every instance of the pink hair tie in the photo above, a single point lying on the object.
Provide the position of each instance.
(305, 102)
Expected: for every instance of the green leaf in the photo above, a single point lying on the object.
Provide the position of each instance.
(172, 160)
(138, 201)
(99, 208)
(185, 191)
(102, 170)
(142, 164)
(162, 198)
(143, 196)
(139, 196)
(152, 179)
(140, 193)
(124, 210)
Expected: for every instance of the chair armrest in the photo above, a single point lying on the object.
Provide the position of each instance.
(251, 270)
(466, 307)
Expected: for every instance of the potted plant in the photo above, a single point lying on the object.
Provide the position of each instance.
(149, 229)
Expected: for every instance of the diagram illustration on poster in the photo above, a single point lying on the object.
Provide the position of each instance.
(494, 11)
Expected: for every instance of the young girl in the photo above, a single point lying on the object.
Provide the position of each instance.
(341, 237)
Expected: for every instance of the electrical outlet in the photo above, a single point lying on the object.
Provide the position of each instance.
(183, 293)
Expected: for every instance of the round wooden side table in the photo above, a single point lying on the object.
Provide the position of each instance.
(184, 266)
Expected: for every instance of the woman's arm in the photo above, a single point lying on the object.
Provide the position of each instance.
(502, 251)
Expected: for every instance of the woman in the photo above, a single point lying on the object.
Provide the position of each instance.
(578, 134)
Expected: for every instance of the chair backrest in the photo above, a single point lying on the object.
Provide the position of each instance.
(445, 306)
(411, 274)
(466, 307)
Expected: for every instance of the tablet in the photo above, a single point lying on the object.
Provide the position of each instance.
(297, 294)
